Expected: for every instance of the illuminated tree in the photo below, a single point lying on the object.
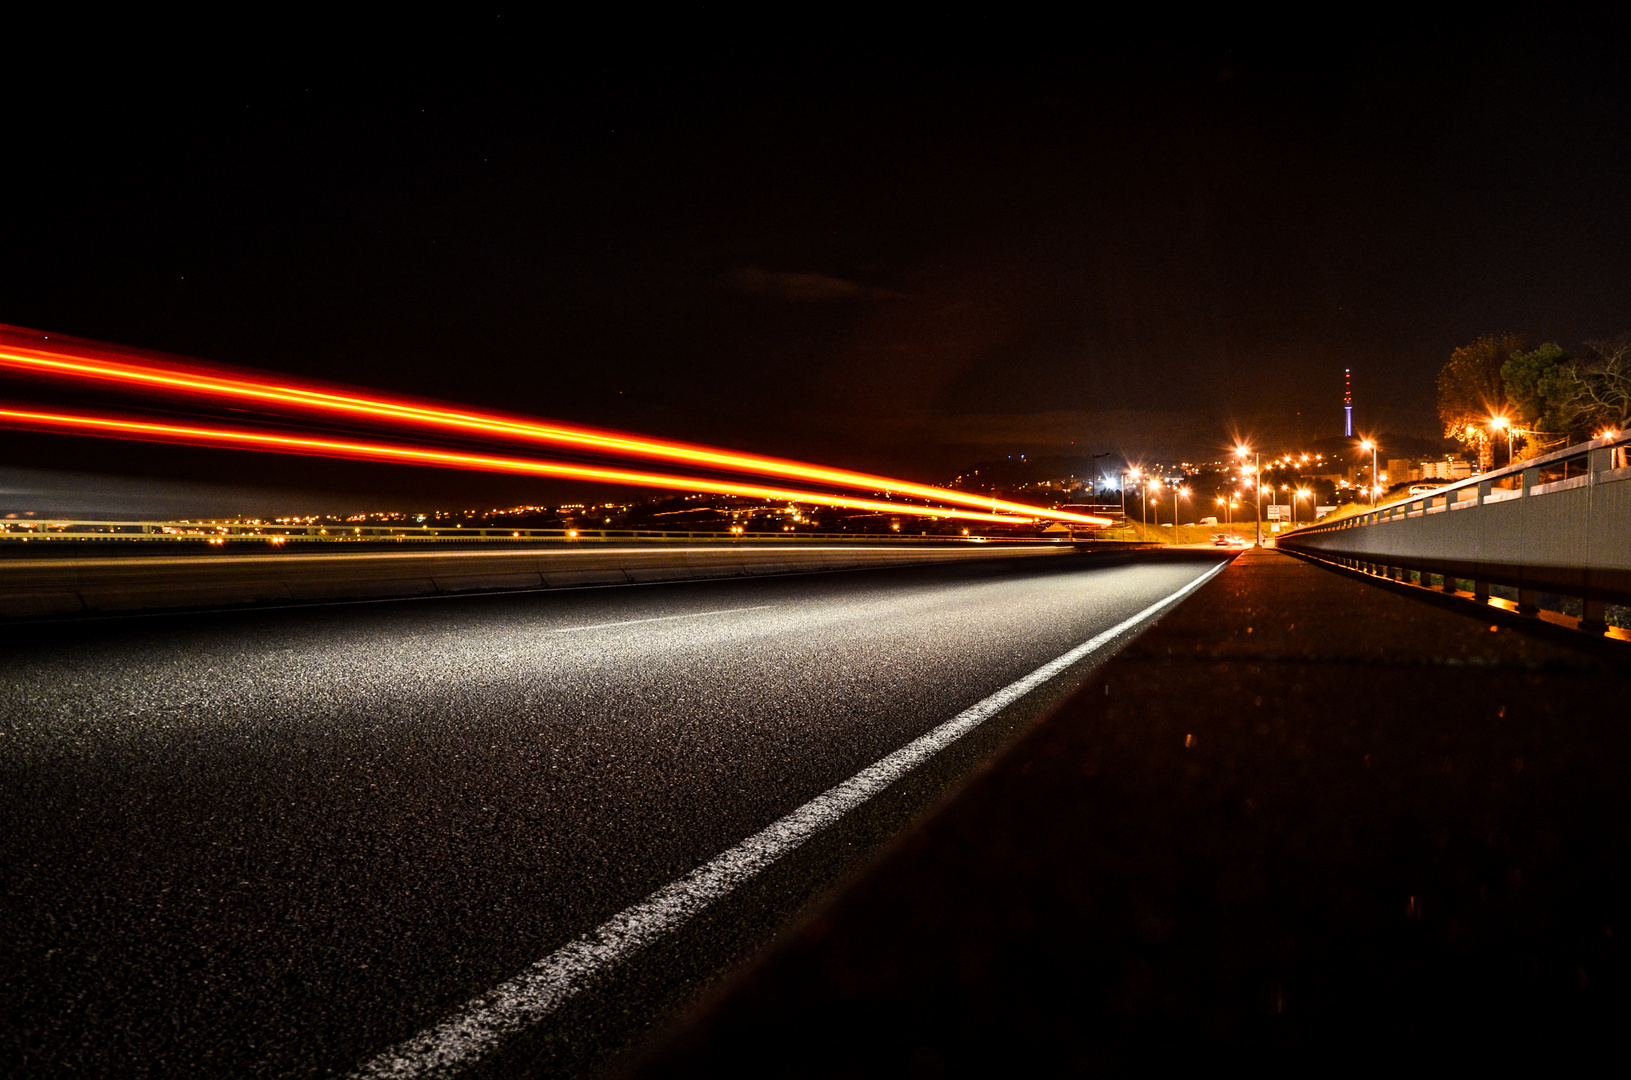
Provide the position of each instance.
(1543, 393)
(1470, 389)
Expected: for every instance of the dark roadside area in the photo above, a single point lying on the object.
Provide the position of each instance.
(1302, 820)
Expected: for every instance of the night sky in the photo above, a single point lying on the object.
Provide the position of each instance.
(897, 248)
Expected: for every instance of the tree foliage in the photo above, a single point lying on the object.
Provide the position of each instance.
(1541, 390)
(1471, 389)
(1550, 396)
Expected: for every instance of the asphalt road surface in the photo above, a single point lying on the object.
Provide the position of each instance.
(278, 843)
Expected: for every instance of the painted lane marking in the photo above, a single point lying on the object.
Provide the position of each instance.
(659, 618)
(512, 1007)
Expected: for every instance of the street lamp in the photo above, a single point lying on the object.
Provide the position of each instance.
(1501, 423)
(1093, 465)
(1375, 480)
(1126, 475)
(1300, 493)
(1176, 491)
(1257, 486)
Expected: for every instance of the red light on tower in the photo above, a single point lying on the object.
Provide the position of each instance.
(1347, 402)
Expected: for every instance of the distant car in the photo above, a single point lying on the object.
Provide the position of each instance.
(1417, 489)
(1222, 539)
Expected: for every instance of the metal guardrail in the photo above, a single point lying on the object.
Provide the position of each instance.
(1559, 523)
(213, 532)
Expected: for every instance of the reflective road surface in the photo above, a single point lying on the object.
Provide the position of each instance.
(277, 843)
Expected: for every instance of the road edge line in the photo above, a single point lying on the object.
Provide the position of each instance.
(543, 986)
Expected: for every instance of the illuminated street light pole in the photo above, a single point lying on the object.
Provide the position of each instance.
(1257, 486)
(1375, 480)
(1093, 466)
(1124, 478)
(1501, 423)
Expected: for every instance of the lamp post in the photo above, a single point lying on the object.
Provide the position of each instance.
(1125, 476)
(1501, 423)
(1375, 480)
(1093, 464)
(1257, 486)
(1176, 491)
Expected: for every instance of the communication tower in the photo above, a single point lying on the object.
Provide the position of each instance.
(1348, 402)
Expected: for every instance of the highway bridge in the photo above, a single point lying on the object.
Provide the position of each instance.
(564, 805)
(960, 812)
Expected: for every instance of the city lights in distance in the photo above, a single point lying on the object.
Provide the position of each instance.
(239, 438)
(76, 361)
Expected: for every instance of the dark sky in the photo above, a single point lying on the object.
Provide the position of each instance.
(900, 248)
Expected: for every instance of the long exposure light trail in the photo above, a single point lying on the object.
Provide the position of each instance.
(202, 383)
(120, 427)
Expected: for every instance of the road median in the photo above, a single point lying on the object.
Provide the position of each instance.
(36, 587)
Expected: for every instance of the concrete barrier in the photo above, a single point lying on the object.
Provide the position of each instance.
(1559, 523)
(41, 587)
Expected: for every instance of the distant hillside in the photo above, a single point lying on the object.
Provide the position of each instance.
(1009, 472)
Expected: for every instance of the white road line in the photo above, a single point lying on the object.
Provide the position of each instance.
(659, 618)
(514, 1006)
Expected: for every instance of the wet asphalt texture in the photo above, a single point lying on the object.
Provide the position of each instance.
(273, 843)
(1304, 821)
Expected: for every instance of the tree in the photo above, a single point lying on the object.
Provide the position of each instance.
(1599, 385)
(1471, 390)
(1541, 391)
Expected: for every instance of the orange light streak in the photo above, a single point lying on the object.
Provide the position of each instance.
(116, 427)
(70, 366)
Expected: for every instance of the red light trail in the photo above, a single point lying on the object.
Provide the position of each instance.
(198, 382)
(124, 428)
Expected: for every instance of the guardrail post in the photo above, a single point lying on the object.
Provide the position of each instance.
(1446, 583)
(1594, 616)
(1528, 601)
(1480, 591)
